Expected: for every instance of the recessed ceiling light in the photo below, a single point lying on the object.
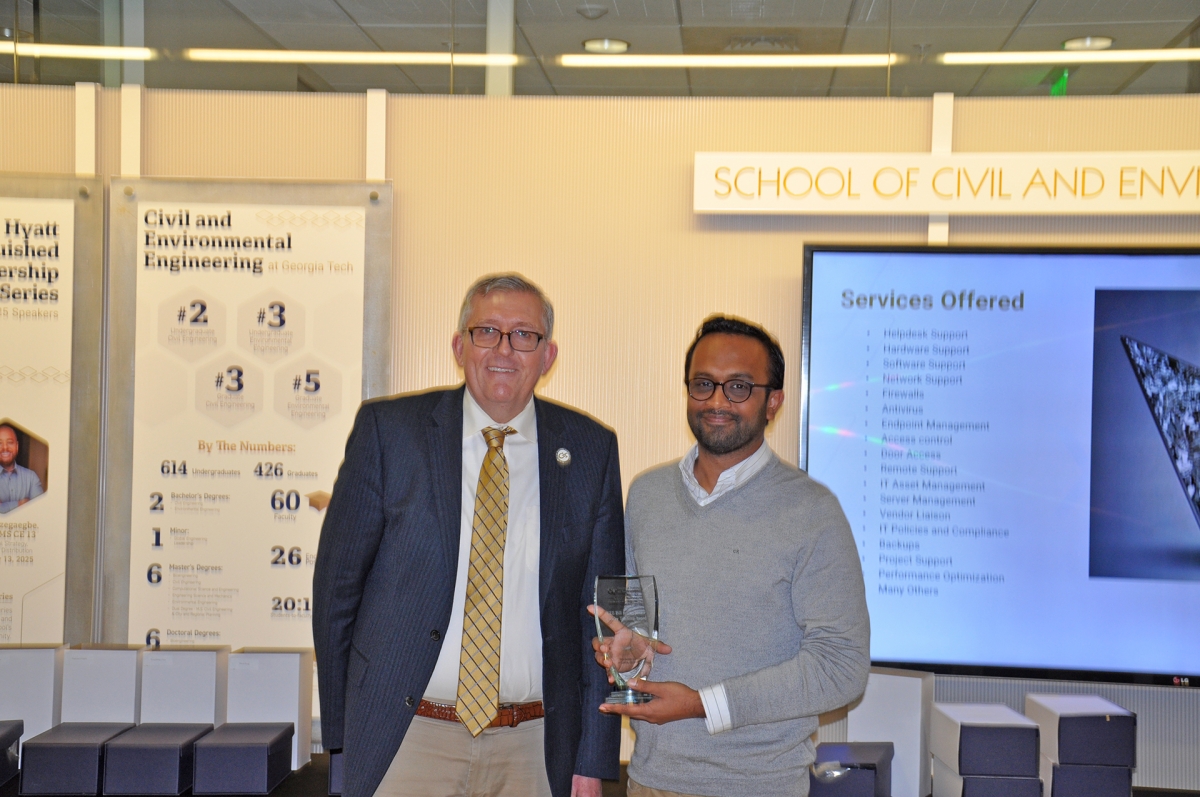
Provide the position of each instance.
(1170, 54)
(607, 46)
(726, 61)
(1088, 43)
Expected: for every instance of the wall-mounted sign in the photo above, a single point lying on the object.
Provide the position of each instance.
(36, 300)
(922, 183)
(247, 375)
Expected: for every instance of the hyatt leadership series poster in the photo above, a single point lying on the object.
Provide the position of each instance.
(248, 373)
(36, 289)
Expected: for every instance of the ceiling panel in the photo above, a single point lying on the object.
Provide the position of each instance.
(1125, 35)
(918, 79)
(384, 13)
(636, 82)
(1162, 79)
(176, 24)
(709, 39)
(298, 36)
(355, 77)
(232, 77)
(468, 38)
(429, 38)
(1016, 81)
(530, 77)
(65, 21)
(622, 10)
(796, 13)
(959, 13)
(1088, 78)
(760, 82)
(1101, 11)
(639, 9)
(923, 80)
(550, 39)
(436, 79)
(663, 84)
(550, 27)
(299, 12)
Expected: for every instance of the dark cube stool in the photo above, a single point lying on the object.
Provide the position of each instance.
(948, 783)
(10, 748)
(68, 758)
(1076, 780)
(984, 739)
(155, 758)
(243, 758)
(1084, 729)
(869, 765)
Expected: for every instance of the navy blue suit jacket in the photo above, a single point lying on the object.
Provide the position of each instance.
(386, 569)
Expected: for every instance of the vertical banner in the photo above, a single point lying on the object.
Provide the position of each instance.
(36, 299)
(248, 370)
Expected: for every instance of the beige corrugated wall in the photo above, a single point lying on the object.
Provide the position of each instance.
(37, 129)
(591, 198)
(253, 134)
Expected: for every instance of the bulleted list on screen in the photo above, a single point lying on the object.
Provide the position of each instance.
(922, 503)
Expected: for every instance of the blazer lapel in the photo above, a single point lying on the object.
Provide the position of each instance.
(443, 439)
(552, 486)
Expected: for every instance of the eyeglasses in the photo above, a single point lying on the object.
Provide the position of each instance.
(736, 390)
(519, 339)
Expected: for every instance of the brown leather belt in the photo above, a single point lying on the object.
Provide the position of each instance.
(510, 714)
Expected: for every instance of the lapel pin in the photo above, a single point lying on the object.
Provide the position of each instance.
(563, 457)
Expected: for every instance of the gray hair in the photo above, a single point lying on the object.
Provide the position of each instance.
(513, 283)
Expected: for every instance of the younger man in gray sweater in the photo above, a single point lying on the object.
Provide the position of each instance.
(760, 589)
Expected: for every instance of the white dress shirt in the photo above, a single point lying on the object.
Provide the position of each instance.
(520, 619)
(716, 702)
(730, 478)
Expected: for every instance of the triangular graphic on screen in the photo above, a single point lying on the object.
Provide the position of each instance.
(1172, 389)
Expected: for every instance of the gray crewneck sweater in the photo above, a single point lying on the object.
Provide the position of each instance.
(761, 590)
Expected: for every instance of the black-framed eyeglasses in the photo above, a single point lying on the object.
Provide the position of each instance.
(736, 390)
(519, 339)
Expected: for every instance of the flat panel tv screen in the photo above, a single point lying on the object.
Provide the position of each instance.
(1015, 438)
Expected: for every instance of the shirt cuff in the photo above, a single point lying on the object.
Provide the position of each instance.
(716, 708)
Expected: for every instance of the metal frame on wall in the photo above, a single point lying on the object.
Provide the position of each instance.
(375, 202)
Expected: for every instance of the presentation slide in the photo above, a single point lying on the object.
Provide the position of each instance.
(1015, 439)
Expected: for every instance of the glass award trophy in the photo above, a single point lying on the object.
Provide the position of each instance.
(627, 620)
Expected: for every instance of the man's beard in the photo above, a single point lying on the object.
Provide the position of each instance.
(730, 438)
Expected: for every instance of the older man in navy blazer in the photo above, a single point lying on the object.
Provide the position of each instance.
(455, 567)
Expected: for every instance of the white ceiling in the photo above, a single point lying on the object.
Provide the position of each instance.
(546, 28)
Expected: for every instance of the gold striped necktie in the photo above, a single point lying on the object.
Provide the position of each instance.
(479, 667)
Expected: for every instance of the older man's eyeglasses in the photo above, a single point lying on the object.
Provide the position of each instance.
(736, 390)
(519, 339)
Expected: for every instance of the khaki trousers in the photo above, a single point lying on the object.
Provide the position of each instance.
(635, 789)
(441, 759)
